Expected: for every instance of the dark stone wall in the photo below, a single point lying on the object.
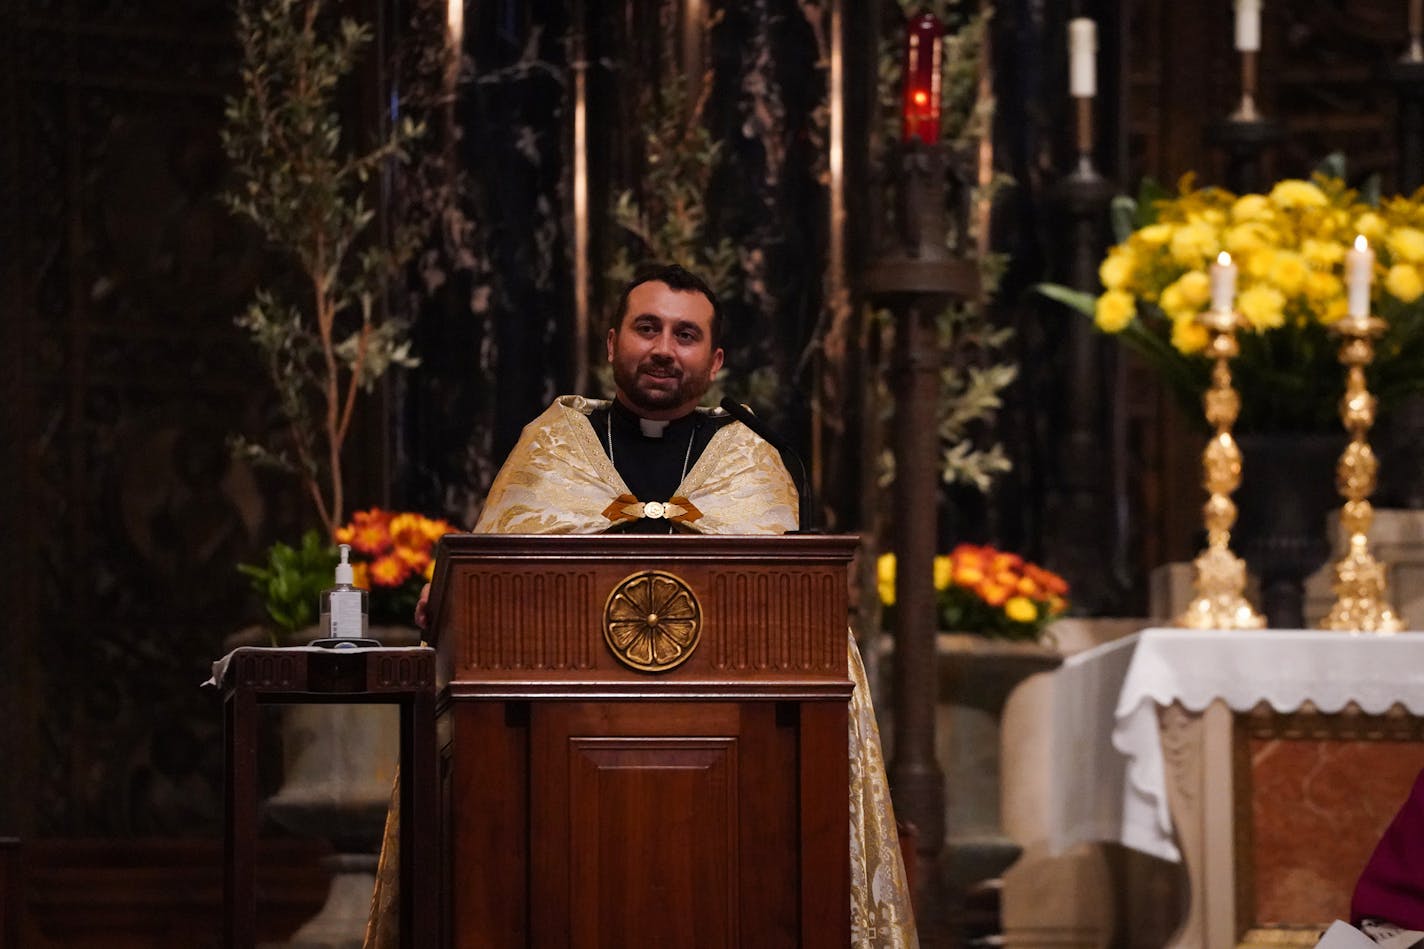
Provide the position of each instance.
(123, 377)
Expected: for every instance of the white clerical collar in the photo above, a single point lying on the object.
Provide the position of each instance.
(652, 427)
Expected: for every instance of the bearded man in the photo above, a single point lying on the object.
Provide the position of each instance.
(651, 460)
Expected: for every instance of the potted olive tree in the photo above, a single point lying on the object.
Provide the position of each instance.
(325, 340)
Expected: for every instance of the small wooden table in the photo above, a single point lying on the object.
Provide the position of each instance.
(252, 676)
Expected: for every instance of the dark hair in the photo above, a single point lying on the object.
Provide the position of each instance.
(676, 277)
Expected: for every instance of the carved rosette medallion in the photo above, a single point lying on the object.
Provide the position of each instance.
(652, 621)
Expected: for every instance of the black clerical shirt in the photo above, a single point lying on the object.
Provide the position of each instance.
(653, 467)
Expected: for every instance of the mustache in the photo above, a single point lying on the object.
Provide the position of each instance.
(663, 365)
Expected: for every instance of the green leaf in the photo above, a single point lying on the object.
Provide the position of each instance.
(1332, 166)
(1123, 213)
(1370, 190)
(291, 580)
(1148, 194)
(1084, 303)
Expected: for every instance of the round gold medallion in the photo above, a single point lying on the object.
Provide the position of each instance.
(654, 509)
(652, 621)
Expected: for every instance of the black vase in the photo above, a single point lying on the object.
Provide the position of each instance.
(1399, 442)
(1287, 492)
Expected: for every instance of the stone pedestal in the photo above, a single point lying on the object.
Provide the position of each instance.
(1093, 896)
(993, 733)
(975, 677)
(1048, 900)
(339, 769)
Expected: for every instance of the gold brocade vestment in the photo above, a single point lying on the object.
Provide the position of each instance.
(559, 480)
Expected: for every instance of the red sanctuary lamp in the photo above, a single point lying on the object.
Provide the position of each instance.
(924, 42)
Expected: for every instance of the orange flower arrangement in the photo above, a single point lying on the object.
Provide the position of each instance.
(393, 557)
(987, 591)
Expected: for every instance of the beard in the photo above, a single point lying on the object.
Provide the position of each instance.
(641, 387)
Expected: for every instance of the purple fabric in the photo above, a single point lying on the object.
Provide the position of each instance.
(1391, 887)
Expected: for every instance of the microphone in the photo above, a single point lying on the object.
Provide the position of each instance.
(808, 508)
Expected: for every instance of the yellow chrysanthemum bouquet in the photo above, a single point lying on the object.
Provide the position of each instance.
(986, 591)
(1289, 246)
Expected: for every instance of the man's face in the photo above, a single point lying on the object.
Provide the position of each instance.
(662, 354)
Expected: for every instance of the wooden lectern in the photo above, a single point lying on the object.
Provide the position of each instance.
(645, 741)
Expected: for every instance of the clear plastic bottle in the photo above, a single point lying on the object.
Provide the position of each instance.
(345, 608)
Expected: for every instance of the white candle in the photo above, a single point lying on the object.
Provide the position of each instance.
(1248, 25)
(1359, 271)
(1082, 58)
(1223, 284)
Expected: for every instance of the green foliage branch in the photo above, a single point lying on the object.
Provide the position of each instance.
(305, 187)
(669, 221)
(291, 580)
(665, 219)
(977, 366)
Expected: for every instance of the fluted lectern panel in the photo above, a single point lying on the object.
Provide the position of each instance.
(525, 620)
(776, 621)
(772, 607)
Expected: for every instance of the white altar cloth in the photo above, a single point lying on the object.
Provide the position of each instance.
(1107, 754)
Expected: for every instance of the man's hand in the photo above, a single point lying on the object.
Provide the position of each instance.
(422, 617)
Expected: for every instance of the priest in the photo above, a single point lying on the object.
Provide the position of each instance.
(651, 460)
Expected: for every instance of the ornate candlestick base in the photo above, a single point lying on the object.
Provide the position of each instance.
(1360, 603)
(1220, 601)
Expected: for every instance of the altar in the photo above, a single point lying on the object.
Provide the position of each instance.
(1267, 762)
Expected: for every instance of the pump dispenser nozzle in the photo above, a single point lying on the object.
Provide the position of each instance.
(344, 571)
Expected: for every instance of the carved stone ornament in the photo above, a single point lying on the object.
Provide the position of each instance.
(652, 621)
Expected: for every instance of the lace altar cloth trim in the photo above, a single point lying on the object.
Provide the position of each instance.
(1107, 758)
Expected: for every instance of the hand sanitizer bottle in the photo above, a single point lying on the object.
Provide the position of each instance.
(345, 608)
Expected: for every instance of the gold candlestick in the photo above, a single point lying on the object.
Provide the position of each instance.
(1085, 134)
(1246, 110)
(1360, 602)
(1220, 601)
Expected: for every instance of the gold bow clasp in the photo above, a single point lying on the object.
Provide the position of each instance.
(626, 507)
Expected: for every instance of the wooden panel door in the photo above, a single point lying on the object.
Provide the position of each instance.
(664, 824)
